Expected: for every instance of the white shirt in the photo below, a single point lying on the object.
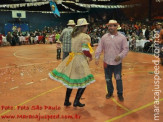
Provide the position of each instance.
(112, 36)
(143, 30)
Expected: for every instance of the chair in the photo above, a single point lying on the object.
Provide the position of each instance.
(151, 48)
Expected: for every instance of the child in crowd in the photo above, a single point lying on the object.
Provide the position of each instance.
(58, 49)
(133, 44)
(51, 39)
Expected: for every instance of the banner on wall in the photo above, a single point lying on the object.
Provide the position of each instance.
(9, 27)
(54, 8)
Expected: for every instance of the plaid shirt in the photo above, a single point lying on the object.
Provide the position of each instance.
(112, 47)
(65, 38)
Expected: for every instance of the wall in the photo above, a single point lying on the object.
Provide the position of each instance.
(142, 12)
(39, 20)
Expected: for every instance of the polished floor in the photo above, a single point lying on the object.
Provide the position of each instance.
(27, 91)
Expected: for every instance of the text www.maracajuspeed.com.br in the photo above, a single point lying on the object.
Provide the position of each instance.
(39, 117)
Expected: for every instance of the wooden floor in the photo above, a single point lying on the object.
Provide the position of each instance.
(26, 89)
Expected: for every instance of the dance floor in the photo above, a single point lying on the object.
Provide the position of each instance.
(27, 94)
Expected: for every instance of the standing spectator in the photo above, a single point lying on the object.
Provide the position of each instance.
(58, 49)
(44, 37)
(145, 32)
(15, 39)
(32, 36)
(121, 31)
(157, 30)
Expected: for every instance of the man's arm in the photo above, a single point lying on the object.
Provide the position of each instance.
(61, 36)
(125, 48)
(99, 49)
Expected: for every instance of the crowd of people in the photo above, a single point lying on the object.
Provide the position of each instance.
(113, 38)
(47, 35)
(74, 72)
(134, 32)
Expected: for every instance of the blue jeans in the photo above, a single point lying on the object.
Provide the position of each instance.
(65, 54)
(116, 69)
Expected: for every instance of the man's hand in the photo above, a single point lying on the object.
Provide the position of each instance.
(97, 61)
(90, 59)
(118, 58)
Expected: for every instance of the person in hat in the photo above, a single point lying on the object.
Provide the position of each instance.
(144, 32)
(157, 29)
(73, 71)
(58, 49)
(119, 30)
(115, 47)
(65, 38)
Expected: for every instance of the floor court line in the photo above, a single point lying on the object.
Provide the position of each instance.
(14, 88)
(120, 105)
(29, 83)
(113, 99)
(132, 111)
(32, 99)
(27, 65)
(28, 58)
(60, 87)
(44, 79)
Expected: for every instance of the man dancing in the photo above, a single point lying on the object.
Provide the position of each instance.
(65, 38)
(115, 47)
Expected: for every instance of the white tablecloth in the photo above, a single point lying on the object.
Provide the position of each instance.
(22, 38)
(141, 43)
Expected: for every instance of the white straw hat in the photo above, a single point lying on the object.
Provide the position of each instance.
(112, 22)
(119, 27)
(82, 22)
(71, 22)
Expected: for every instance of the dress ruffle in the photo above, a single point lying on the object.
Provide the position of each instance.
(71, 83)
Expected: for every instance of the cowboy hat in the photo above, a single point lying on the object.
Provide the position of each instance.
(95, 44)
(82, 22)
(111, 22)
(158, 23)
(119, 27)
(71, 22)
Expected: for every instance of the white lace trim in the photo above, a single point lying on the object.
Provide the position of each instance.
(74, 87)
(85, 49)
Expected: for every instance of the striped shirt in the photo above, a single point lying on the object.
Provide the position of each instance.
(65, 38)
(112, 46)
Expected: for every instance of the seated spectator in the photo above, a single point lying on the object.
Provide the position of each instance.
(134, 35)
(133, 44)
(9, 38)
(141, 36)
